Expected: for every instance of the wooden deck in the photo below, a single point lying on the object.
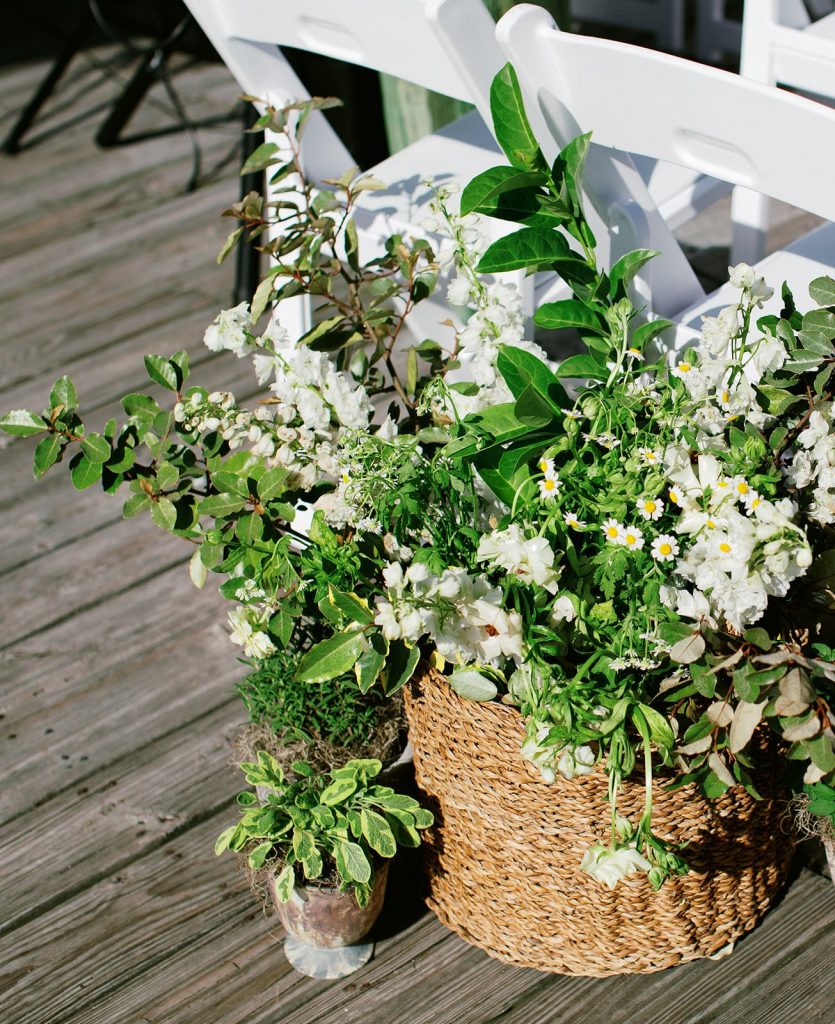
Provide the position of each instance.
(116, 699)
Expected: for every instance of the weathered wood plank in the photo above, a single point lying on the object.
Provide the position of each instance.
(128, 808)
(134, 924)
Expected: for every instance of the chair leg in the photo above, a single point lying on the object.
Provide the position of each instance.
(749, 216)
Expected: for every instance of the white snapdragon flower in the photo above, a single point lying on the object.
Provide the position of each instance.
(563, 610)
(531, 559)
(230, 330)
(610, 866)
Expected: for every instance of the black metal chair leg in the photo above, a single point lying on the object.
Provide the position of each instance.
(247, 259)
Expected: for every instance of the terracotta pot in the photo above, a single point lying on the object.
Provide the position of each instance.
(327, 918)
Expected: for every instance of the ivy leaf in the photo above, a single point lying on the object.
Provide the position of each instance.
(22, 423)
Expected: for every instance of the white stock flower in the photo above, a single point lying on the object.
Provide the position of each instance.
(610, 866)
(230, 330)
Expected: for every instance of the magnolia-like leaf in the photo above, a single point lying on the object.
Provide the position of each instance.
(796, 693)
(332, 657)
(472, 685)
(582, 367)
(219, 505)
(805, 730)
(510, 123)
(746, 719)
(526, 248)
(720, 713)
(96, 448)
(568, 313)
(400, 666)
(689, 648)
(83, 472)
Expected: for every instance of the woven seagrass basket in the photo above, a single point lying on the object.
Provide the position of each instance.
(503, 861)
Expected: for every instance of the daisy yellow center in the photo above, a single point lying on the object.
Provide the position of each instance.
(345, 478)
(549, 485)
(674, 497)
(684, 367)
(710, 524)
(631, 538)
(724, 547)
(726, 396)
(543, 466)
(649, 456)
(742, 487)
(612, 531)
(665, 548)
(650, 506)
(572, 522)
(634, 351)
(756, 502)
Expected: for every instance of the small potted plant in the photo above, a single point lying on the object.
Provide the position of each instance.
(325, 841)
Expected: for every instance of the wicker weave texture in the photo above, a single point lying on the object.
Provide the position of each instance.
(502, 864)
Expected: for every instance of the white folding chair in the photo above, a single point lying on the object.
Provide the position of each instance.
(780, 44)
(679, 111)
(395, 37)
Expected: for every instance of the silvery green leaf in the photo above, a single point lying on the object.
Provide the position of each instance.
(472, 685)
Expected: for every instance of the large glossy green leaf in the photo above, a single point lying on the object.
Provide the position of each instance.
(63, 394)
(400, 665)
(568, 313)
(331, 658)
(583, 367)
(624, 270)
(511, 125)
(22, 423)
(521, 369)
(528, 248)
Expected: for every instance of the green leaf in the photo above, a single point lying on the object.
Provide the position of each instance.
(352, 607)
(272, 483)
(261, 298)
(777, 399)
(522, 369)
(338, 791)
(135, 504)
(331, 658)
(83, 472)
(222, 841)
(220, 505)
(371, 662)
(284, 884)
(581, 366)
(355, 862)
(625, 269)
(22, 423)
(161, 371)
(322, 328)
(259, 855)
(163, 513)
(569, 313)
(304, 843)
(138, 405)
(249, 529)
(482, 193)
(659, 728)
(377, 833)
(526, 248)
(400, 666)
(472, 685)
(63, 394)
(47, 451)
(229, 244)
(96, 448)
(822, 290)
(260, 158)
(644, 334)
(510, 123)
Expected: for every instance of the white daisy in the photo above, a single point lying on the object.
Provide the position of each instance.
(612, 531)
(549, 486)
(572, 521)
(664, 548)
(632, 538)
(649, 457)
(650, 508)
